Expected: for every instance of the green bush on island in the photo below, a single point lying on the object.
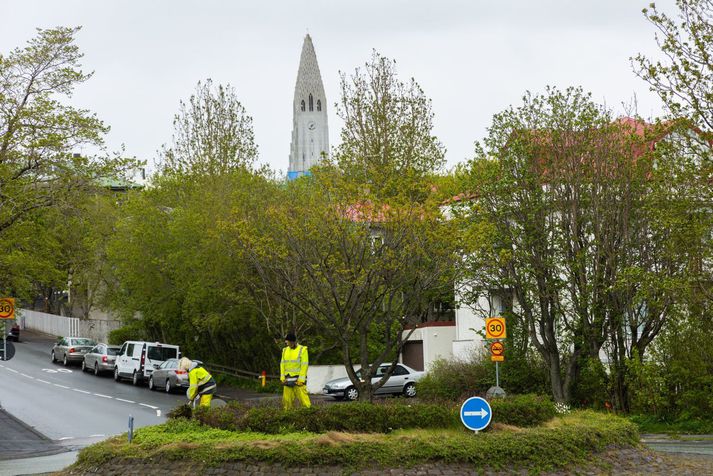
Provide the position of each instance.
(358, 417)
(565, 440)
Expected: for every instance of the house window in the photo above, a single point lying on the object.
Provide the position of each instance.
(319, 104)
(311, 103)
(302, 105)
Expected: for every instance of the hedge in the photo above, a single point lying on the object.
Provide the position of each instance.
(565, 441)
(358, 417)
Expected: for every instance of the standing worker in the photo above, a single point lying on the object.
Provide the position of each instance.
(201, 382)
(293, 373)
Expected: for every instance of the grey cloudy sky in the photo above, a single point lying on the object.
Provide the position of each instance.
(473, 58)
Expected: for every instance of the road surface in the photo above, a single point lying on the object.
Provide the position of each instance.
(71, 407)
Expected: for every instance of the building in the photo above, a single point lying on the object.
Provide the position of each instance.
(310, 131)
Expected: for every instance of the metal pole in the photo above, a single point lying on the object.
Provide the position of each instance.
(497, 374)
(4, 341)
(131, 428)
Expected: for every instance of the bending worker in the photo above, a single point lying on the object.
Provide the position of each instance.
(201, 382)
(293, 373)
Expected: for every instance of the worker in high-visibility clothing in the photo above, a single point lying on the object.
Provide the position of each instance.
(293, 373)
(201, 382)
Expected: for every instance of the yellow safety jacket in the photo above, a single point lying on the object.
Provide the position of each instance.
(198, 377)
(294, 363)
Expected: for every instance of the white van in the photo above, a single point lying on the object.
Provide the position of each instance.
(137, 359)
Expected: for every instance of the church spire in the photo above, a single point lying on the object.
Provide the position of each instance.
(310, 134)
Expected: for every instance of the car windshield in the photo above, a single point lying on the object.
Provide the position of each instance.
(112, 351)
(162, 353)
(83, 342)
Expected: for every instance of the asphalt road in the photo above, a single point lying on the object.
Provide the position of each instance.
(71, 407)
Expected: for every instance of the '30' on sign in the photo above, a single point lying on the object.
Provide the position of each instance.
(495, 328)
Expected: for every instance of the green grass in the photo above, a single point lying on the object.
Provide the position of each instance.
(563, 441)
(652, 424)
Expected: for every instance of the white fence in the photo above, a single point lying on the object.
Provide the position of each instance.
(48, 323)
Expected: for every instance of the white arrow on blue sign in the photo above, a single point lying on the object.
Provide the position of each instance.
(475, 413)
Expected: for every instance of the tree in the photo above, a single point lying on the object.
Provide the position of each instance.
(39, 171)
(37, 132)
(212, 133)
(684, 79)
(358, 248)
(387, 138)
(576, 228)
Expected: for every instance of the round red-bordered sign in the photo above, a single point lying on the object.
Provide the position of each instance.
(7, 308)
(497, 348)
(495, 328)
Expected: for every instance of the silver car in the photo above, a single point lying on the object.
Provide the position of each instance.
(169, 377)
(71, 349)
(401, 382)
(101, 358)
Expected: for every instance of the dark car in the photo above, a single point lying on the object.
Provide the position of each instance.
(71, 349)
(169, 377)
(14, 333)
(100, 359)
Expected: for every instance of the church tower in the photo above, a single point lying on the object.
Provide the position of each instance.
(310, 134)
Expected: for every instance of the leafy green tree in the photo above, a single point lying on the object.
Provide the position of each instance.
(358, 248)
(574, 223)
(39, 171)
(684, 78)
(212, 133)
(387, 138)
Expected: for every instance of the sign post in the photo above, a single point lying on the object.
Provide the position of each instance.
(495, 329)
(7, 313)
(475, 413)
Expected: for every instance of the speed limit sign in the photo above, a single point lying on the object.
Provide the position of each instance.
(7, 308)
(495, 328)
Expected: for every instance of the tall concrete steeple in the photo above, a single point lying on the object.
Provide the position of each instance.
(310, 132)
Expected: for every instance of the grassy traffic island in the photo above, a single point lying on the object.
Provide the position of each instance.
(331, 439)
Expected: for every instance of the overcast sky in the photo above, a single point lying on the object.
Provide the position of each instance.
(473, 58)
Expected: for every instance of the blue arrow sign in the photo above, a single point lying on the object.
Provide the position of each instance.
(475, 413)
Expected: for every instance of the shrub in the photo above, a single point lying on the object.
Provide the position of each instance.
(130, 331)
(523, 410)
(455, 380)
(354, 417)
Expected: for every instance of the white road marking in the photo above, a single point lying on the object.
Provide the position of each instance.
(60, 386)
(103, 396)
(158, 413)
(66, 438)
(43, 381)
(82, 391)
(28, 376)
(97, 436)
(149, 406)
(13, 370)
(122, 400)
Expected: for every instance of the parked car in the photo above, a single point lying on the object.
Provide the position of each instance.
(169, 377)
(137, 360)
(14, 333)
(71, 349)
(401, 382)
(101, 358)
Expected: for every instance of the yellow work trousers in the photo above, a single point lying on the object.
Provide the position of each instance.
(205, 400)
(289, 394)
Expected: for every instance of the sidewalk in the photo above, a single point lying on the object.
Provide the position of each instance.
(18, 440)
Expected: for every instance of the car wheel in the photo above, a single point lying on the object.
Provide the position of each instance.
(54, 359)
(351, 393)
(136, 379)
(96, 368)
(151, 385)
(410, 390)
(168, 386)
(117, 377)
(84, 366)
(65, 362)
